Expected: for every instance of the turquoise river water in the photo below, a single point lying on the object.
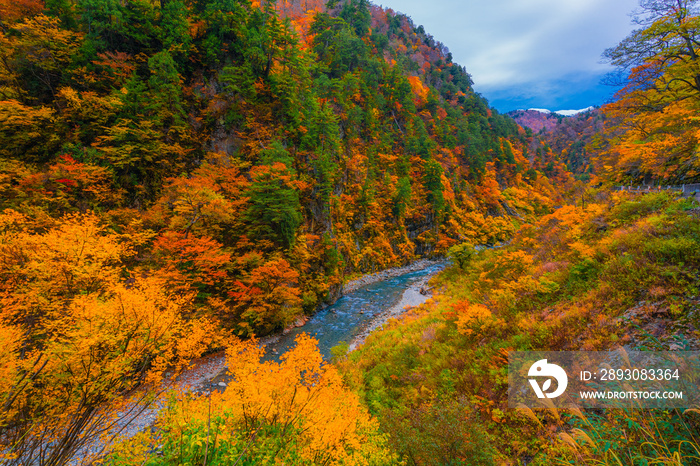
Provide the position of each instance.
(345, 319)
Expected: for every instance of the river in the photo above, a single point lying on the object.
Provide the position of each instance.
(352, 314)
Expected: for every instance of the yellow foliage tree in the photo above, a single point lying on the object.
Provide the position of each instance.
(652, 127)
(297, 411)
(77, 336)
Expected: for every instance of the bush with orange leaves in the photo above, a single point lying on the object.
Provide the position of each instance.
(76, 337)
(297, 412)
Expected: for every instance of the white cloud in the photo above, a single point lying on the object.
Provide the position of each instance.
(506, 44)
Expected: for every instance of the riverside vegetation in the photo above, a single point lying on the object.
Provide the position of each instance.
(621, 271)
(181, 176)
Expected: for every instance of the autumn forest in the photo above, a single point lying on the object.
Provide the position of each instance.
(184, 178)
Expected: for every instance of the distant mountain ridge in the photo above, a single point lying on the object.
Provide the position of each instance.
(534, 119)
(538, 119)
(561, 138)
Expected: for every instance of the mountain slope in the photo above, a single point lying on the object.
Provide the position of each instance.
(562, 139)
(437, 378)
(339, 140)
(535, 120)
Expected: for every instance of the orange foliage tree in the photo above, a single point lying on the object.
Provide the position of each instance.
(654, 132)
(267, 297)
(79, 336)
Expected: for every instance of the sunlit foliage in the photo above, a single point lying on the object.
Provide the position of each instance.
(297, 412)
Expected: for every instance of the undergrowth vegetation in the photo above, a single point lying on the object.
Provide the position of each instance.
(622, 270)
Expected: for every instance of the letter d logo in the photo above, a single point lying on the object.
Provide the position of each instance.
(542, 369)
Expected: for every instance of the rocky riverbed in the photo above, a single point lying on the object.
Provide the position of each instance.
(414, 296)
(365, 280)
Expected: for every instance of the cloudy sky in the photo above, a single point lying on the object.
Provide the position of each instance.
(528, 53)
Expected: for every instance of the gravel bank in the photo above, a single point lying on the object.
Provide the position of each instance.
(131, 415)
(388, 273)
(412, 297)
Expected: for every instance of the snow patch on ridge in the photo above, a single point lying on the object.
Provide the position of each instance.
(573, 112)
(562, 112)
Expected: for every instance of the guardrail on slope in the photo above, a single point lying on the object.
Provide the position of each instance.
(684, 188)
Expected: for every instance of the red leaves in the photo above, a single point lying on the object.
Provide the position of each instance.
(67, 182)
(268, 297)
(203, 259)
(67, 159)
(117, 66)
(69, 185)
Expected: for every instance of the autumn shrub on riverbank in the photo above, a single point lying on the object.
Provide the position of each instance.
(623, 270)
(295, 412)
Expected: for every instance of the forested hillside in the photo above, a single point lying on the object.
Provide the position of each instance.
(566, 139)
(611, 270)
(287, 149)
(536, 120)
(179, 177)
